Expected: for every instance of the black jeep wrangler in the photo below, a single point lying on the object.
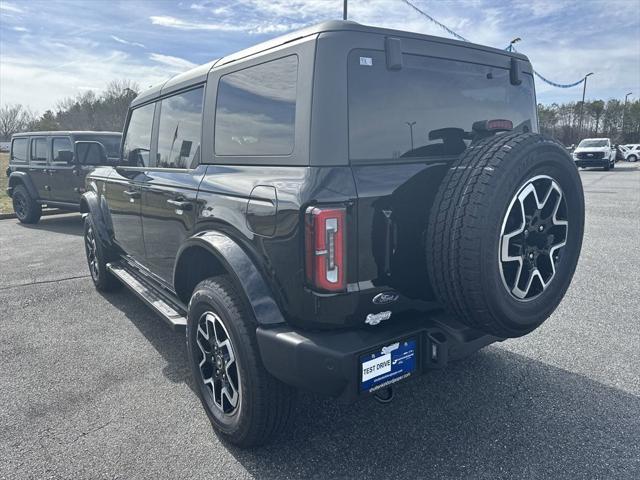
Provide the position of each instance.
(48, 169)
(338, 210)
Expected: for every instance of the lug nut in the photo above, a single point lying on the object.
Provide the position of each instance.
(540, 228)
(531, 256)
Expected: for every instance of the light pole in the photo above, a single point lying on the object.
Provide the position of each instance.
(624, 113)
(344, 10)
(513, 42)
(411, 124)
(584, 90)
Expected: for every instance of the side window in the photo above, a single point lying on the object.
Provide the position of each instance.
(39, 150)
(180, 129)
(19, 150)
(137, 142)
(61, 144)
(256, 109)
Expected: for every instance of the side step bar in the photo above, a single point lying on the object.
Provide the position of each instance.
(171, 310)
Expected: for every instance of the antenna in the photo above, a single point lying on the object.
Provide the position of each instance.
(344, 10)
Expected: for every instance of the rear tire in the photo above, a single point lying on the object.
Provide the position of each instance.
(632, 158)
(27, 209)
(223, 353)
(486, 201)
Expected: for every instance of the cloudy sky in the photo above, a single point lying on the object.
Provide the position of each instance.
(56, 48)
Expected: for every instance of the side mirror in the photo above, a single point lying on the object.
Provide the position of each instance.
(91, 153)
(66, 156)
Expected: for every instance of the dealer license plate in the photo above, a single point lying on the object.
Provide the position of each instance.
(388, 365)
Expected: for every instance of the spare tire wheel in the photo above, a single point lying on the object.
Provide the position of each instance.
(505, 232)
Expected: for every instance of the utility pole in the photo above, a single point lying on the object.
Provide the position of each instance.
(411, 124)
(624, 113)
(344, 10)
(584, 90)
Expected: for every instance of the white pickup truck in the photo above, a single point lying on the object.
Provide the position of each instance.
(595, 152)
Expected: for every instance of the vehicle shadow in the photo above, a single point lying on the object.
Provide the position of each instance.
(67, 223)
(169, 343)
(497, 412)
(617, 169)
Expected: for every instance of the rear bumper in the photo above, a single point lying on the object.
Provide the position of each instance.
(329, 362)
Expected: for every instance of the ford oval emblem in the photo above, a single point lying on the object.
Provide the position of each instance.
(385, 297)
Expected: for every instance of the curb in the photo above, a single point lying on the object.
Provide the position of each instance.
(45, 213)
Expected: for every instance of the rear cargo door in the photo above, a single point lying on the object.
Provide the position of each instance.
(408, 122)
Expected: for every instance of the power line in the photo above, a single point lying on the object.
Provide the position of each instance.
(510, 48)
(441, 25)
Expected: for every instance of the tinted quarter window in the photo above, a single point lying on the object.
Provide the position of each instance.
(39, 150)
(137, 143)
(58, 145)
(256, 109)
(179, 131)
(428, 107)
(19, 150)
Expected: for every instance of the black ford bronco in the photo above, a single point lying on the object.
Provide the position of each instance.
(337, 210)
(48, 169)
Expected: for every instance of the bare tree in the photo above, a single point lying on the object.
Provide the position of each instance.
(13, 119)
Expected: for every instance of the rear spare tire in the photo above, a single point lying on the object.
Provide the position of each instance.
(505, 232)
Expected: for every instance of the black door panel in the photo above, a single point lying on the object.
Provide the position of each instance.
(168, 215)
(39, 167)
(123, 194)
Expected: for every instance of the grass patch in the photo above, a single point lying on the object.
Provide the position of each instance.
(5, 201)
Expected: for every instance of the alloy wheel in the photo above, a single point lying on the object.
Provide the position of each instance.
(91, 249)
(218, 366)
(20, 205)
(533, 235)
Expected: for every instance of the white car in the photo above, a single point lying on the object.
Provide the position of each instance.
(631, 152)
(595, 152)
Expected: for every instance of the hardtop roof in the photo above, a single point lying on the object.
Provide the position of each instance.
(65, 132)
(199, 74)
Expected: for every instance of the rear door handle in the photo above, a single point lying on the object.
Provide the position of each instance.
(180, 204)
(132, 193)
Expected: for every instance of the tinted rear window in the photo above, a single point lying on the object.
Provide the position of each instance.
(39, 150)
(256, 109)
(111, 143)
(428, 107)
(19, 150)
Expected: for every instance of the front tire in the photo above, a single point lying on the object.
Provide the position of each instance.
(245, 404)
(27, 209)
(97, 259)
(632, 158)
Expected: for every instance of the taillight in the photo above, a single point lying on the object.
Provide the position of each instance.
(325, 245)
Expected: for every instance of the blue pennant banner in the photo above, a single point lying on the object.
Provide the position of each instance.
(559, 85)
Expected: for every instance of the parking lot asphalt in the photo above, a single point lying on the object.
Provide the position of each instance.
(96, 386)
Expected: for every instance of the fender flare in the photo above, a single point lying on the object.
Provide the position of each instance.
(243, 270)
(90, 204)
(25, 179)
